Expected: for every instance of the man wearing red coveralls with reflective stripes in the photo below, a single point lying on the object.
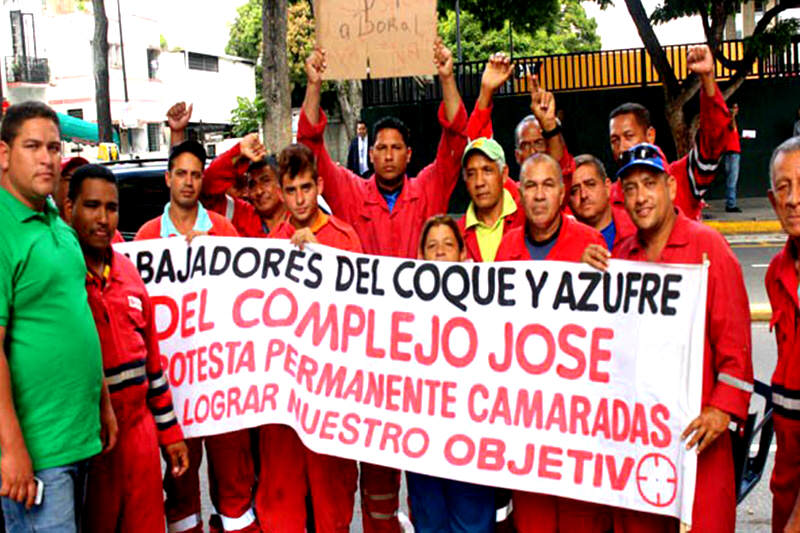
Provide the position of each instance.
(387, 212)
(629, 125)
(548, 234)
(230, 462)
(782, 288)
(666, 235)
(132, 366)
(289, 470)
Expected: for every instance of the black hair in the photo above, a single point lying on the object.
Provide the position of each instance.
(392, 123)
(88, 172)
(637, 110)
(192, 147)
(18, 114)
(268, 162)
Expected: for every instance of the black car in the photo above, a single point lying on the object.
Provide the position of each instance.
(143, 192)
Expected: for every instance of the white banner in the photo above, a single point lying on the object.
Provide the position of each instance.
(541, 376)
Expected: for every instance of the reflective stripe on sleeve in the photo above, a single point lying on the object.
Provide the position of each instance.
(503, 513)
(382, 516)
(159, 381)
(235, 524)
(786, 403)
(735, 382)
(126, 375)
(165, 418)
(184, 524)
(229, 208)
(382, 497)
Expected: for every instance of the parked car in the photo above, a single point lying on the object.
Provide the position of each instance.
(143, 193)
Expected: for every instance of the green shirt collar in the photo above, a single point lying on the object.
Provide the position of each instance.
(22, 212)
(509, 208)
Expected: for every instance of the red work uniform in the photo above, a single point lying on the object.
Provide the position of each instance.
(623, 224)
(727, 372)
(511, 221)
(289, 470)
(782, 288)
(393, 233)
(230, 459)
(220, 176)
(480, 125)
(124, 485)
(695, 172)
(543, 513)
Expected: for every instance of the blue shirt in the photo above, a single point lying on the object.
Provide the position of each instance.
(539, 250)
(609, 234)
(201, 223)
(391, 198)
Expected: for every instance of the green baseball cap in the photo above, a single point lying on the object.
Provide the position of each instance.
(488, 147)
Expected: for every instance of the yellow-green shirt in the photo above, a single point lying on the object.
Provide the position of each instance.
(489, 237)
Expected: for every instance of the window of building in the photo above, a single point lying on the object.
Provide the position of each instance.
(154, 137)
(114, 56)
(77, 113)
(152, 63)
(203, 62)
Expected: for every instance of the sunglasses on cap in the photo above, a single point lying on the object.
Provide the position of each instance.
(639, 152)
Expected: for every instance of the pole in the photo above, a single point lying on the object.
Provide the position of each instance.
(122, 53)
(510, 40)
(458, 31)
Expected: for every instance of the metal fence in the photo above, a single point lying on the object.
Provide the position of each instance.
(605, 69)
(20, 69)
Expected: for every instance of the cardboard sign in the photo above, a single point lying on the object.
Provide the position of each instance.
(382, 38)
(540, 376)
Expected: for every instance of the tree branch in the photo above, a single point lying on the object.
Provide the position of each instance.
(657, 54)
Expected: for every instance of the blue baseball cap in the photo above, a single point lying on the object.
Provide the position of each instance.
(642, 155)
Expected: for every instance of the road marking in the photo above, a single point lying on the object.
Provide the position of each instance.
(758, 245)
(754, 448)
(760, 265)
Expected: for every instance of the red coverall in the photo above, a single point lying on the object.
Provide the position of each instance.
(480, 125)
(695, 172)
(543, 513)
(727, 372)
(782, 290)
(394, 233)
(622, 223)
(509, 222)
(289, 470)
(124, 485)
(230, 459)
(220, 176)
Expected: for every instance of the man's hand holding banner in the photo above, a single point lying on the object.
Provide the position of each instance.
(539, 376)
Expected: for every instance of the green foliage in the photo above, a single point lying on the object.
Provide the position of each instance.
(247, 115)
(245, 34)
(162, 42)
(572, 32)
(529, 16)
(777, 37)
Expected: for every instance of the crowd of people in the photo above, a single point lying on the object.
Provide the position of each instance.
(86, 410)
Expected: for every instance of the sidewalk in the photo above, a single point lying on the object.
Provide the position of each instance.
(757, 216)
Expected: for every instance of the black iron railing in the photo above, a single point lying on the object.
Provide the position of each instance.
(604, 69)
(21, 69)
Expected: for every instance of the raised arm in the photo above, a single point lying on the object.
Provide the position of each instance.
(543, 107)
(715, 121)
(178, 117)
(227, 168)
(498, 70)
(440, 177)
(343, 189)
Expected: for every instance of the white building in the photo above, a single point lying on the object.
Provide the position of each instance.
(157, 70)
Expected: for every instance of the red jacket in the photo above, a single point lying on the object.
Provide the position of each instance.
(480, 125)
(573, 238)
(622, 223)
(510, 222)
(220, 228)
(360, 204)
(329, 231)
(131, 358)
(695, 172)
(727, 365)
(220, 175)
(781, 282)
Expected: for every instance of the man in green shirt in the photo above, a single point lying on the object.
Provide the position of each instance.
(51, 372)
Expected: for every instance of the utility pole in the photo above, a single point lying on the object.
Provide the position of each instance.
(122, 53)
(458, 31)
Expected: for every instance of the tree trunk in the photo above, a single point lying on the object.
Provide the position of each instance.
(276, 87)
(100, 49)
(681, 134)
(350, 101)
